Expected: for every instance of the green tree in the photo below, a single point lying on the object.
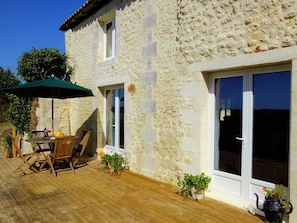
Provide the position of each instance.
(39, 64)
(7, 79)
(20, 113)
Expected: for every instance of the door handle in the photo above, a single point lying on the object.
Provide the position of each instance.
(240, 139)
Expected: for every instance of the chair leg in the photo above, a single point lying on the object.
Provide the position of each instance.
(28, 164)
(75, 161)
(52, 167)
(46, 161)
(71, 166)
(23, 169)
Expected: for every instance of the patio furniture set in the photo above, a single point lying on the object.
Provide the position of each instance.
(60, 155)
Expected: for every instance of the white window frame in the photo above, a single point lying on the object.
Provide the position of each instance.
(110, 149)
(112, 39)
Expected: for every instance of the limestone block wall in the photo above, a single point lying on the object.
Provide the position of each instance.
(211, 29)
(167, 114)
(166, 128)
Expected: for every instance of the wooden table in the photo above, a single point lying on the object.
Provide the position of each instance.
(44, 140)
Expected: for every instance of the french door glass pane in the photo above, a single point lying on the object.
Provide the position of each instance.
(228, 118)
(121, 117)
(115, 117)
(110, 117)
(271, 127)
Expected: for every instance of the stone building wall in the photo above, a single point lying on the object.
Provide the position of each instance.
(217, 29)
(164, 135)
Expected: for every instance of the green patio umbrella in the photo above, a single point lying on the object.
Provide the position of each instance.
(51, 87)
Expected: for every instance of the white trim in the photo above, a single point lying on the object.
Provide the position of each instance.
(112, 21)
(111, 82)
(111, 150)
(117, 118)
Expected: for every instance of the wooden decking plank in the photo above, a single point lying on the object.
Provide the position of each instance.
(71, 202)
(51, 197)
(11, 206)
(104, 190)
(91, 195)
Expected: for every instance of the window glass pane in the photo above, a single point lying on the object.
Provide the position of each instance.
(122, 108)
(228, 119)
(110, 118)
(271, 127)
(109, 43)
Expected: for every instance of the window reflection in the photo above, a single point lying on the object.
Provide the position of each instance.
(228, 124)
(271, 127)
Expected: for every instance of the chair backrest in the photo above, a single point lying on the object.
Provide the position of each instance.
(83, 143)
(63, 148)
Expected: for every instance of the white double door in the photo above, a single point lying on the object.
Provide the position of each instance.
(250, 143)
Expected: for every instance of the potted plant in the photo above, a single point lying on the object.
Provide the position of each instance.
(274, 206)
(193, 185)
(114, 163)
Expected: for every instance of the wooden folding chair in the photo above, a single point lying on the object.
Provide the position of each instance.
(29, 159)
(61, 158)
(79, 150)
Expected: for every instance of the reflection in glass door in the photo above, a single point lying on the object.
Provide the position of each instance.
(228, 127)
(271, 127)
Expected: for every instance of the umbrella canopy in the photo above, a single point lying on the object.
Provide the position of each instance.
(51, 87)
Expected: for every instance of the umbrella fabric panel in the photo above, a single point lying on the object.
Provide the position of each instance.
(49, 88)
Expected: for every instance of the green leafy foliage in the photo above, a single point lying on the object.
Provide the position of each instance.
(7, 79)
(200, 182)
(114, 162)
(279, 191)
(20, 113)
(39, 64)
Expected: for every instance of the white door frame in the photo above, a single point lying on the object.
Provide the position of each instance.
(110, 149)
(241, 187)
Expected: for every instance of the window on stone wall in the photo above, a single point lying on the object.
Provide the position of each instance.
(107, 36)
(109, 39)
(114, 117)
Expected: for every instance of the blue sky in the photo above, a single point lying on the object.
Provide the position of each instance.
(32, 23)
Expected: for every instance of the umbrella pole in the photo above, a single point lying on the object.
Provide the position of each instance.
(53, 117)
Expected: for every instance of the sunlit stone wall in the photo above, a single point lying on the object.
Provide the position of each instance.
(167, 115)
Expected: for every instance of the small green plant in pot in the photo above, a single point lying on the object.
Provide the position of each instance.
(193, 185)
(114, 163)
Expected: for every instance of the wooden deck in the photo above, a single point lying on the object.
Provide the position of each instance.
(91, 195)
